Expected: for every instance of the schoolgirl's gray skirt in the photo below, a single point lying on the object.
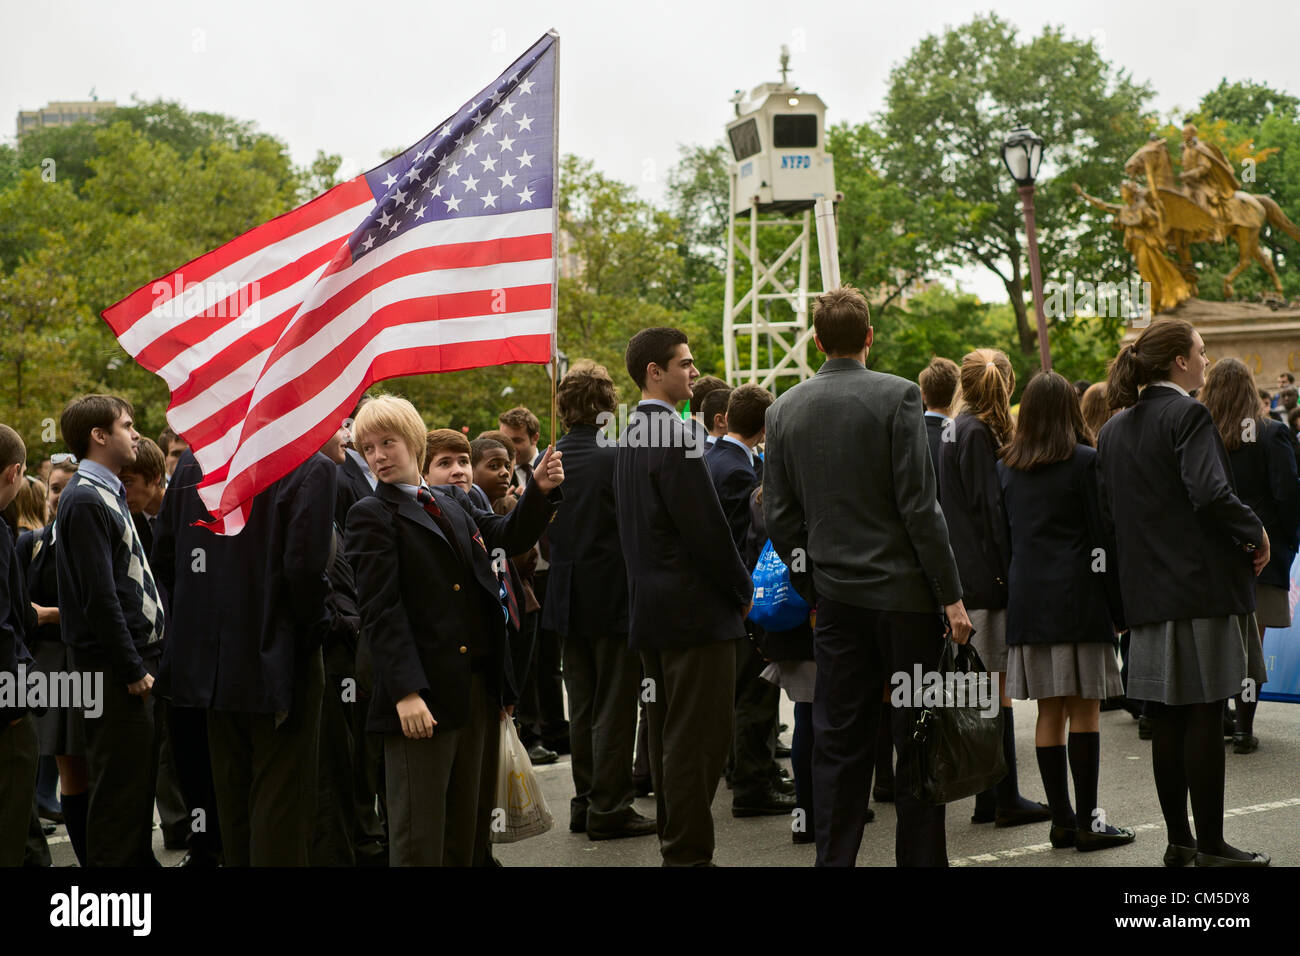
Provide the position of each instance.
(1195, 661)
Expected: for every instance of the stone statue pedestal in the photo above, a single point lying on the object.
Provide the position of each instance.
(1267, 340)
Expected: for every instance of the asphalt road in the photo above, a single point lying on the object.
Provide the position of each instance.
(1262, 796)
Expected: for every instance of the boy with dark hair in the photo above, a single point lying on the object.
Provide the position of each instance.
(703, 421)
(18, 749)
(145, 482)
(713, 412)
(491, 457)
(522, 430)
(172, 447)
(448, 459)
(878, 566)
(588, 611)
(491, 460)
(938, 382)
(732, 469)
(112, 621)
(674, 535)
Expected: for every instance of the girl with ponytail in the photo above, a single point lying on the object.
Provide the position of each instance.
(977, 530)
(1186, 550)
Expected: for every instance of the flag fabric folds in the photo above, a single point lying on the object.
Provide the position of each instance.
(442, 258)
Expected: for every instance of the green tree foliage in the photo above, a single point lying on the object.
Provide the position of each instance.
(949, 106)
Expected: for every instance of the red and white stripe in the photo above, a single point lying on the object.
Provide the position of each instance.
(266, 342)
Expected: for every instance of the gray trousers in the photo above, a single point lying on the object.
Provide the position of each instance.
(434, 786)
(265, 776)
(17, 787)
(602, 678)
(122, 765)
(690, 718)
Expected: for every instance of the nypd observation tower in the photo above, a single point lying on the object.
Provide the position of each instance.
(781, 174)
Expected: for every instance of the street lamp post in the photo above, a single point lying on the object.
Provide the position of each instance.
(1022, 152)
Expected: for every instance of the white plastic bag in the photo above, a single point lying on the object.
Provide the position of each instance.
(520, 810)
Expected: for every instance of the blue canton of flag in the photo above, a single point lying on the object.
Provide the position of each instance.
(494, 155)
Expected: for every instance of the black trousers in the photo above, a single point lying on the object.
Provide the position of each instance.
(757, 702)
(265, 775)
(336, 810)
(603, 678)
(857, 651)
(371, 835)
(690, 724)
(172, 811)
(541, 702)
(189, 734)
(18, 753)
(122, 765)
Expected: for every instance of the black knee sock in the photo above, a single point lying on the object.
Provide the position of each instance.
(885, 748)
(1246, 716)
(74, 818)
(1085, 767)
(1203, 759)
(1008, 788)
(1167, 763)
(1056, 783)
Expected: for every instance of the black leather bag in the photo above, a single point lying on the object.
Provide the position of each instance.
(957, 750)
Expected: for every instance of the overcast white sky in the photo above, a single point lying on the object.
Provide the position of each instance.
(636, 79)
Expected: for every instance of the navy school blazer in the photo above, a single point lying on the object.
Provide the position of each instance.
(414, 591)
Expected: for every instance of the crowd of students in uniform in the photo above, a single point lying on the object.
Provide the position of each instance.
(326, 687)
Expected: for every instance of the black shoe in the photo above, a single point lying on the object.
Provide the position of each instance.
(578, 821)
(1244, 743)
(781, 785)
(1144, 728)
(771, 803)
(48, 828)
(1112, 703)
(803, 836)
(882, 794)
(636, 825)
(1176, 855)
(781, 750)
(1085, 841)
(1062, 837)
(172, 843)
(870, 816)
(1019, 816)
(45, 813)
(980, 816)
(643, 786)
(559, 744)
(540, 755)
(782, 728)
(1256, 859)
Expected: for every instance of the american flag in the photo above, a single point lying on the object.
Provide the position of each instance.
(442, 258)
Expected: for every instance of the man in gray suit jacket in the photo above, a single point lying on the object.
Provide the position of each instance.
(849, 501)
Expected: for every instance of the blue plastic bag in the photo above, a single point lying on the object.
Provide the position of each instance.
(777, 606)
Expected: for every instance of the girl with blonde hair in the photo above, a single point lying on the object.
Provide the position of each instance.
(977, 529)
